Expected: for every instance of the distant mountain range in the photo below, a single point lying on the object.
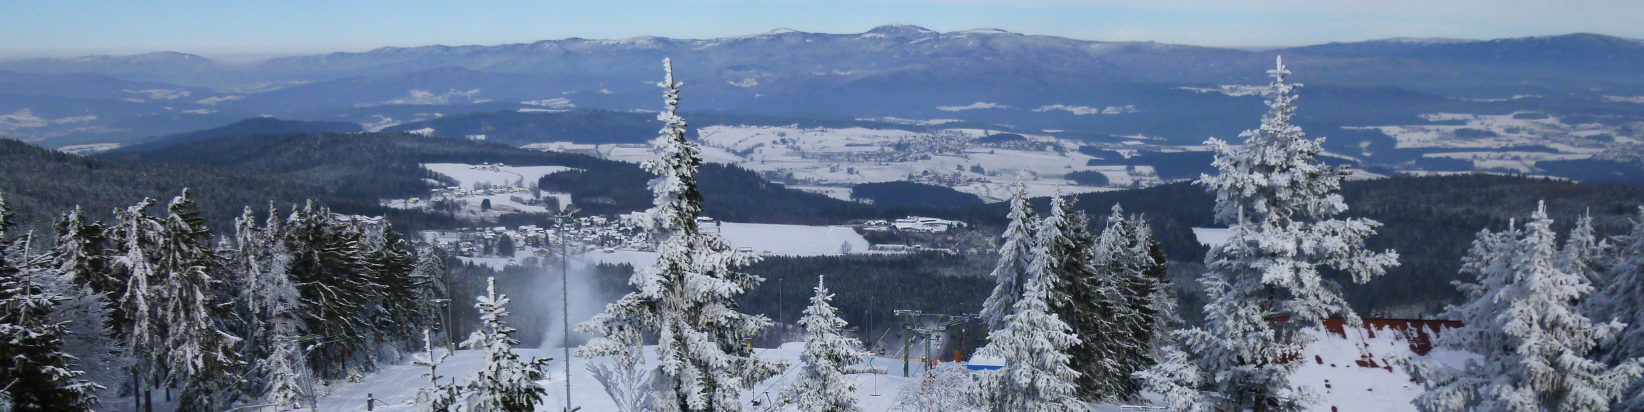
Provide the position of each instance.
(787, 57)
(986, 76)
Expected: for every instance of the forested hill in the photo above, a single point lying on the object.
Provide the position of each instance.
(366, 167)
(360, 166)
(257, 125)
(1430, 221)
(40, 184)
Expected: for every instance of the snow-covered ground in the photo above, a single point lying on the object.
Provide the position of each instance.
(1358, 370)
(762, 239)
(1212, 236)
(396, 386)
(795, 240)
(1353, 371)
(830, 160)
(468, 175)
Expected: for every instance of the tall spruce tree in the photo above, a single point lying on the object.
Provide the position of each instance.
(35, 373)
(428, 278)
(1125, 256)
(1011, 274)
(272, 306)
(1621, 299)
(136, 237)
(506, 383)
(822, 384)
(1520, 318)
(1038, 376)
(687, 299)
(335, 288)
(1280, 202)
(1081, 296)
(78, 270)
(201, 357)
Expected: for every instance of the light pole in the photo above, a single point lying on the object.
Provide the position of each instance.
(313, 397)
(565, 295)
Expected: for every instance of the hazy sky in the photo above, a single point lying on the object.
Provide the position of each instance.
(248, 29)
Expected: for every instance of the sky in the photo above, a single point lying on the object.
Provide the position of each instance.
(230, 29)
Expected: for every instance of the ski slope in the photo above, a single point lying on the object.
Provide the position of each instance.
(396, 386)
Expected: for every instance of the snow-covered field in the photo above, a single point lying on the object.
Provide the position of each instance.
(1498, 131)
(794, 240)
(830, 160)
(468, 175)
(762, 239)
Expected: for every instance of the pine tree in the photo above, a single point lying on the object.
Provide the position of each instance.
(1173, 378)
(506, 383)
(687, 299)
(335, 286)
(1082, 296)
(1520, 318)
(1126, 256)
(1621, 298)
(272, 305)
(81, 253)
(78, 270)
(34, 371)
(201, 356)
(435, 397)
(505, 246)
(1280, 203)
(394, 262)
(1010, 274)
(135, 236)
(1037, 376)
(822, 385)
(428, 279)
(947, 388)
(1583, 252)
(629, 388)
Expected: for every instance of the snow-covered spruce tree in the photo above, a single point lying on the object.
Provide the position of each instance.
(80, 273)
(135, 237)
(435, 397)
(36, 373)
(947, 388)
(1173, 378)
(1621, 299)
(1125, 255)
(687, 299)
(81, 253)
(822, 384)
(1037, 376)
(1280, 202)
(272, 307)
(629, 388)
(1520, 318)
(395, 260)
(505, 383)
(336, 289)
(201, 357)
(428, 278)
(1011, 274)
(1081, 296)
(1583, 252)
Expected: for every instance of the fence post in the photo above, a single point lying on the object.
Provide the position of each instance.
(368, 405)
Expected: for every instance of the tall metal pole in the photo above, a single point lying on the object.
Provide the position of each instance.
(565, 298)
